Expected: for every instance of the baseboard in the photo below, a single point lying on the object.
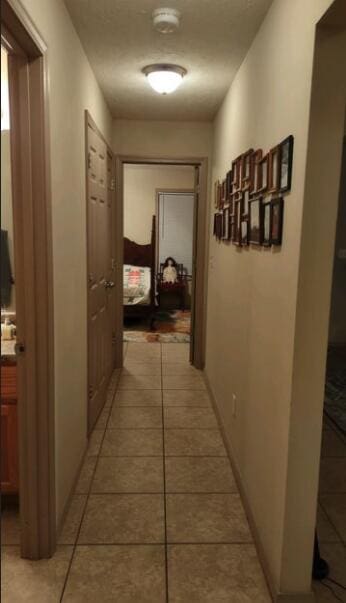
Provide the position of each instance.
(277, 597)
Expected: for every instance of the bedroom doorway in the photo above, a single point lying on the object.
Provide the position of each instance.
(162, 271)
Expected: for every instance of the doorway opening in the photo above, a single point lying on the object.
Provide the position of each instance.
(27, 330)
(163, 229)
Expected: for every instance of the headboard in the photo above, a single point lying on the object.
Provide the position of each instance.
(143, 255)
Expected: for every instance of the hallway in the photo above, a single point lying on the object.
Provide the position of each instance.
(156, 515)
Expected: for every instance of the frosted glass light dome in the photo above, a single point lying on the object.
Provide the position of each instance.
(164, 79)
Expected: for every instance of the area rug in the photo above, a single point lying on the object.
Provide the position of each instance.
(335, 388)
(169, 327)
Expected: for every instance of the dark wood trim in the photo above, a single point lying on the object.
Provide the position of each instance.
(199, 300)
(30, 151)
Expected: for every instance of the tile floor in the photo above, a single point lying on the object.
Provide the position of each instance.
(331, 519)
(156, 515)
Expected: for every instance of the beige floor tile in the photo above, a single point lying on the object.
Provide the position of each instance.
(123, 518)
(188, 397)
(325, 529)
(10, 525)
(145, 397)
(335, 507)
(332, 444)
(215, 573)
(194, 442)
(103, 418)
(175, 347)
(333, 475)
(212, 518)
(180, 369)
(175, 352)
(128, 474)
(194, 418)
(132, 442)
(95, 441)
(85, 476)
(117, 574)
(25, 581)
(73, 519)
(143, 352)
(183, 382)
(140, 382)
(199, 474)
(136, 417)
(335, 555)
(141, 368)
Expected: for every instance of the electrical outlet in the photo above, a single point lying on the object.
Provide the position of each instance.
(234, 405)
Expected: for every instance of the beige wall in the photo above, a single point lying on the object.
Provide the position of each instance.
(72, 89)
(140, 185)
(337, 323)
(162, 138)
(252, 312)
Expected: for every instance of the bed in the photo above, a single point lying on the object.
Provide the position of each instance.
(139, 278)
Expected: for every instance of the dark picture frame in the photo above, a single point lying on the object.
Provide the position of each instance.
(236, 239)
(274, 169)
(244, 232)
(263, 167)
(246, 170)
(276, 220)
(267, 224)
(286, 162)
(256, 172)
(226, 226)
(246, 201)
(256, 221)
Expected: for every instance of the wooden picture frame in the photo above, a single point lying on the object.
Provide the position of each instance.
(237, 223)
(274, 165)
(216, 193)
(263, 167)
(226, 230)
(246, 170)
(244, 232)
(256, 183)
(276, 221)
(246, 201)
(236, 171)
(267, 224)
(286, 162)
(229, 177)
(256, 221)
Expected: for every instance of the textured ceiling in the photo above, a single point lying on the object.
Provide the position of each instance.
(119, 40)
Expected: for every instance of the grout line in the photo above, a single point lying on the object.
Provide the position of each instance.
(87, 495)
(331, 521)
(164, 484)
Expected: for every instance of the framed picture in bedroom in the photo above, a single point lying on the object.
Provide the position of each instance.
(263, 167)
(286, 161)
(236, 171)
(277, 220)
(229, 177)
(256, 221)
(267, 223)
(256, 172)
(274, 169)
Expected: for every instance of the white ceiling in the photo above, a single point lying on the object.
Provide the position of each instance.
(119, 40)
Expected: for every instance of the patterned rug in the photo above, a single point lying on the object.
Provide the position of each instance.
(170, 327)
(335, 389)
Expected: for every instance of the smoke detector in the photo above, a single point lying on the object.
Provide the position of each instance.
(166, 20)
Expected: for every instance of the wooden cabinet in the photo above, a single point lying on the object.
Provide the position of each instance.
(9, 428)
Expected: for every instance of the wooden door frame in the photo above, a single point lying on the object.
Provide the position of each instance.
(201, 247)
(31, 192)
(89, 122)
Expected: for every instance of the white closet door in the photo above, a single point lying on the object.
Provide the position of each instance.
(176, 227)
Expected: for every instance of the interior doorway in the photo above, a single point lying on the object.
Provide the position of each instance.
(163, 206)
(100, 187)
(27, 346)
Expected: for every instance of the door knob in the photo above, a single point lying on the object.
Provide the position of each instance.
(109, 284)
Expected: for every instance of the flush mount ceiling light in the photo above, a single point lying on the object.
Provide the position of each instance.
(164, 79)
(166, 20)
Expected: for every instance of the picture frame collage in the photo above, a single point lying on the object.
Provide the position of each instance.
(249, 202)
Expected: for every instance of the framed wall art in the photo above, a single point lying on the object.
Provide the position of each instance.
(256, 221)
(267, 223)
(226, 230)
(244, 232)
(277, 219)
(246, 170)
(256, 172)
(286, 161)
(236, 239)
(263, 176)
(274, 169)
(246, 200)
